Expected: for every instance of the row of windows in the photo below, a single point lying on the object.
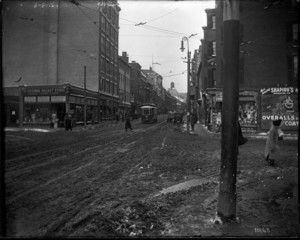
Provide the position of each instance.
(109, 68)
(211, 22)
(109, 49)
(124, 96)
(109, 87)
(111, 12)
(123, 80)
(109, 30)
(212, 48)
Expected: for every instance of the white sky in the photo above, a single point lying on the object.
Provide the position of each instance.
(160, 38)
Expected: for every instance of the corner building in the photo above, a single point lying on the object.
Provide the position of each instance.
(47, 45)
(268, 64)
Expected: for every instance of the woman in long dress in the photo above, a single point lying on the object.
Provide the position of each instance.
(272, 151)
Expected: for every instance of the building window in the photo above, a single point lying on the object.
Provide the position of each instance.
(102, 45)
(295, 31)
(214, 48)
(103, 23)
(213, 19)
(295, 67)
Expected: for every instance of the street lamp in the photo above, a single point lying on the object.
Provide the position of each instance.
(188, 81)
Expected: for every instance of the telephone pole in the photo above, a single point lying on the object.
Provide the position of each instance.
(229, 142)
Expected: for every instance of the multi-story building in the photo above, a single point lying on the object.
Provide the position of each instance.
(156, 82)
(268, 64)
(65, 63)
(137, 88)
(195, 81)
(208, 75)
(124, 84)
(108, 56)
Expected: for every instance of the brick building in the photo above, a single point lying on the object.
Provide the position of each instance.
(46, 46)
(124, 84)
(268, 64)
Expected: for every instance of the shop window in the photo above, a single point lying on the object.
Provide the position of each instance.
(295, 31)
(39, 113)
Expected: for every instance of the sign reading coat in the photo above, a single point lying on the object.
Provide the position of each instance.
(280, 103)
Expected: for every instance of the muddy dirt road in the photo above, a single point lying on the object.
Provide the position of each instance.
(108, 182)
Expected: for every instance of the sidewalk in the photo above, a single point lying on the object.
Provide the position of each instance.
(77, 128)
(201, 129)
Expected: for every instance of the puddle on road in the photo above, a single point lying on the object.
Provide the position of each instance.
(186, 185)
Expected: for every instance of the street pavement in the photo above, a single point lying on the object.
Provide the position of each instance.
(198, 129)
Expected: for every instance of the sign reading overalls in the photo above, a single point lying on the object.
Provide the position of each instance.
(280, 103)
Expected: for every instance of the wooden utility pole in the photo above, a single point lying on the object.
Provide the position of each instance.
(229, 142)
(188, 94)
(84, 86)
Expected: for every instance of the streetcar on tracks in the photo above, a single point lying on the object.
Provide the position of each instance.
(149, 113)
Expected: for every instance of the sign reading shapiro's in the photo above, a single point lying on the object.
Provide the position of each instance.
(280, 103)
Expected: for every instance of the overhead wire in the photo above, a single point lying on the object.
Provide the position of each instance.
(162, 16)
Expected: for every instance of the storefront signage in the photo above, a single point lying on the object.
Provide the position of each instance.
(43, 99)
(29, 99)
(279, 90)
(280, 103)
(58, 98)
(44, 91)
(288, 120)
(248, 93)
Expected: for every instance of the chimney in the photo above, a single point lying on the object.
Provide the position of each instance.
(125, 56)
(172, 85)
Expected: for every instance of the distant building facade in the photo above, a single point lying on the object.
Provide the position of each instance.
(124, 84)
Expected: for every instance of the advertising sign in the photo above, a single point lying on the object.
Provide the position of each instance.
(280, 103)
(248, 111)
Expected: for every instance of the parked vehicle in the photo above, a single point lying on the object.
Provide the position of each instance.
(170, 116)
(149, 113)
(178, 118)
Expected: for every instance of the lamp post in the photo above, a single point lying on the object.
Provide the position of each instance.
(188, 82)
(84, 107)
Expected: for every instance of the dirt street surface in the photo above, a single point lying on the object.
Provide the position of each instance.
(154, 181)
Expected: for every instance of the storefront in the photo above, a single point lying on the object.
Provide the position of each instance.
(280, 103)
(248, 109)
(213, 108)
(42, 105)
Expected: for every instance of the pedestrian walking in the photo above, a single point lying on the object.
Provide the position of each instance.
(194, 120)
(272, 151)
(128, 124)
(68, 123)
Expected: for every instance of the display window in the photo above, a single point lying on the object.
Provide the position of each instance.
(38, 113)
